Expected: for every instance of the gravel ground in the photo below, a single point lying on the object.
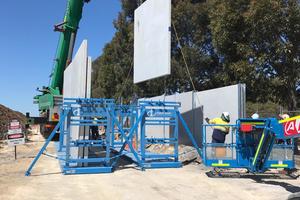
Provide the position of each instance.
(188, 182)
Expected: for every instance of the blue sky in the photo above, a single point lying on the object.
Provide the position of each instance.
(28, 43)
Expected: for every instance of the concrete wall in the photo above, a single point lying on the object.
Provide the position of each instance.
(226, 99)
(196, 106)
(77, 84)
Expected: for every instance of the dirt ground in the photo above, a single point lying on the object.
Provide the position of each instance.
(188, 182)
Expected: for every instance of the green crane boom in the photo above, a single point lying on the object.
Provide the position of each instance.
(68, 31)
(47, 101)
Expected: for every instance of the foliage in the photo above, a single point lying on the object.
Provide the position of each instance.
(268, 109)
(224, 41)
(6, 115)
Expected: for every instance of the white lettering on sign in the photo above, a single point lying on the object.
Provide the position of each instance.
(14, 131)
(76, 112)
(15, 134)
(14, 123)
(15, 142)
(292, 127)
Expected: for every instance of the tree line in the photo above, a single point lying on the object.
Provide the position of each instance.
(225, 42)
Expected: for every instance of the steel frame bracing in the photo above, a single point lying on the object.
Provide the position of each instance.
(125, 134)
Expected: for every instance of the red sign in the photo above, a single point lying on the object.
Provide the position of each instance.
(14, 127)
(14, 124)
(292, 128)
(15, 136)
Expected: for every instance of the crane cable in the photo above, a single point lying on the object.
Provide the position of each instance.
(187, 68)
(183, 56)
(184, 60)
(126, 80)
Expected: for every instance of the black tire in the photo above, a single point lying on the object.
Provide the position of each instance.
(46, 131)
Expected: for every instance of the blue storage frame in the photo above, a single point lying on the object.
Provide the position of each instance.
(81, 112)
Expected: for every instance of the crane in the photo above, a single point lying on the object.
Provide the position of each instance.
(50, 97)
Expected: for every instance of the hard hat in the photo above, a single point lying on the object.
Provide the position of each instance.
(95, 120)
(225, 116)
(255, 116)
(284, 116)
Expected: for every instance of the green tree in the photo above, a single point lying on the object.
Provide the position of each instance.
(259, 44)
(224, 42)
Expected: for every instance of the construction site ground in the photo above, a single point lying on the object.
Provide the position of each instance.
(188, 182)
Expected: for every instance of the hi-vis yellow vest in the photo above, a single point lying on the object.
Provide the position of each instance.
(220, 121)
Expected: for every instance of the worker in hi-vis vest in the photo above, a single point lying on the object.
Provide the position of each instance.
(220, 132)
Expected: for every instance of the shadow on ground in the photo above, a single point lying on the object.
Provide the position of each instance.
(287, 186)
(268, 179)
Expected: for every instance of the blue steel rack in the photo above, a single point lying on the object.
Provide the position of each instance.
(156, 113)
(159, 114)
(82, 115)
(126, 116)
(125, 125)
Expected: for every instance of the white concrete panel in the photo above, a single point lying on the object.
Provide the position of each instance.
(77, 84)
(216, 101)
(75, 76)
(185, 99)
(89, 78)
(152, 40)
(196, 106)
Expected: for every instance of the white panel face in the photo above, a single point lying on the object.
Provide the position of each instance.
(216, 101)
(89, 78)
(75, 76)
(196, 106)
(152, 40)
(77, 84)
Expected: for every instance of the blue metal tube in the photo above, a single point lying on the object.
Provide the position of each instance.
(152, 155)
(189, 134)
(127, 138)
(176, 140)
(143, 129)
(204, 156)
(88, 160)
(61, 135)
(28, 171)
(160, 124)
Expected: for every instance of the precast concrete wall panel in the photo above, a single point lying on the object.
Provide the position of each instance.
(77, 84)
(196, 106)
(225, 99)
(152, 40)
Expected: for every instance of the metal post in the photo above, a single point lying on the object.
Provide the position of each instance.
(176, 138)
(68, 138)
(61, 135)
(143, 129)
(110, 130)
(15, 152)
(204, 144)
